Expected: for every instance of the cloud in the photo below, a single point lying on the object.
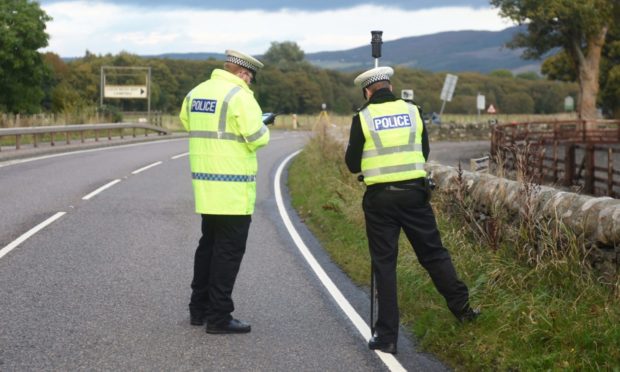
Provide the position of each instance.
(109, 28)
(272, 5)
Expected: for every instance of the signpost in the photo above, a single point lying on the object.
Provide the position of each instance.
(406, 94)
(124, 91)
(131, 90)
(480, 104)
(448, 90)
(569, 104)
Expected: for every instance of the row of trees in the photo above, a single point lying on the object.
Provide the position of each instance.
(290, 86)
(30, 82)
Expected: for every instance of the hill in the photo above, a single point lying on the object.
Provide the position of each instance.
(481, 51)
(454, 51)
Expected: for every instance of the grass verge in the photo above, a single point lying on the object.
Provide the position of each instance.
(547, 313)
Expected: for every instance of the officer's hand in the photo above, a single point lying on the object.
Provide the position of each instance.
(269, 118)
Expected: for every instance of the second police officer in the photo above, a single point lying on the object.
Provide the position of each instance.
(388, 144)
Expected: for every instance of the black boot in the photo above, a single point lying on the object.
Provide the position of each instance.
(375, 343)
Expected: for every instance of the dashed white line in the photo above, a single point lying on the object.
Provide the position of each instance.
(30, 233)
(179, 156)
(108, 185)
(388, 359)
(147, 167)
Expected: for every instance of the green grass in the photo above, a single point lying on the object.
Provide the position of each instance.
(540, 312)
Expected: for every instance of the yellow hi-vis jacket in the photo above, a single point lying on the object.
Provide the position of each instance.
(393, 142)
(225, 128)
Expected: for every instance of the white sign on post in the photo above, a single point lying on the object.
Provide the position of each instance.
(448, 87)
(480, 102)
(125, 91)
(407, 94)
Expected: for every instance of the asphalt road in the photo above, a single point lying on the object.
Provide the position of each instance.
(105, 286)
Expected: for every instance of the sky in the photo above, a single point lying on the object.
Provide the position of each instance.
(152, 27)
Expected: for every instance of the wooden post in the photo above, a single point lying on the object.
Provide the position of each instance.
(555, 161)
(68, 137)
(17, 140)
(109, 135)
(52, 139)
(610, 172)
(35, 142)
(82, 136)
(134, 132)
(569, 164)
(96, 135)
(589, 179)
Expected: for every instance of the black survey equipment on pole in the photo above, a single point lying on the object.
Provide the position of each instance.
(376, 43)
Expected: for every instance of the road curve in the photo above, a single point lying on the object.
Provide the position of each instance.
(105, 286)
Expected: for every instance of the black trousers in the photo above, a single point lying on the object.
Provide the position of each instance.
(216, 265)
(387, 210)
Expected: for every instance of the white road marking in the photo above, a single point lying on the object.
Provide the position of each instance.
(388, 359)
(20, 161)
(179, 156)
(108, 185)
(147, 167)
(30, 233)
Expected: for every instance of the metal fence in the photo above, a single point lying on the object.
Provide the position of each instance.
(579, 154)
(97, 130)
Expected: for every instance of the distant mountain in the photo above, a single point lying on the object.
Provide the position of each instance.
(454, 51)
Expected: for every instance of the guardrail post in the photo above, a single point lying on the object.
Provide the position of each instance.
(569, 164)
(17, 140)
(589, 180)
(121, 133)
(35, 142)
(82, 136)
(68, 137)
(96, 135)
(52, 139)
(109, 135)
(134, 132)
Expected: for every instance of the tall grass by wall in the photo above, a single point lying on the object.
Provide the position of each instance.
(543, 307)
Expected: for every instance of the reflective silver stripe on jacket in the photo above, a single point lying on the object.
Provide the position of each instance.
(215, 135)
(392, 150)
(379, 148)
(221, 132)
(393, 169)
(224, 109)
(257, 134)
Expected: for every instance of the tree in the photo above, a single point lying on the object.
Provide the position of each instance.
(22, 71)
(284, 55)
(578, 27)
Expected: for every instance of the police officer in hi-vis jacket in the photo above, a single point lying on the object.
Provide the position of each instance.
(389, 146)
(225, 128)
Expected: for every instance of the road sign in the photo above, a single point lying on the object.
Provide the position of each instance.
(569, 103)
(448, 87)
(480, 102)
(491, 109)
(125, 91)
(407, 94)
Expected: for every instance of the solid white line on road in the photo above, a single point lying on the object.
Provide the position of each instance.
(30, 233)
(147, 167)
(108, 185)
(388, 359)
(179, 156)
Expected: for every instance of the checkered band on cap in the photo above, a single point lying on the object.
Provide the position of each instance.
(242, 63)
(374, 79)
(374, 75)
